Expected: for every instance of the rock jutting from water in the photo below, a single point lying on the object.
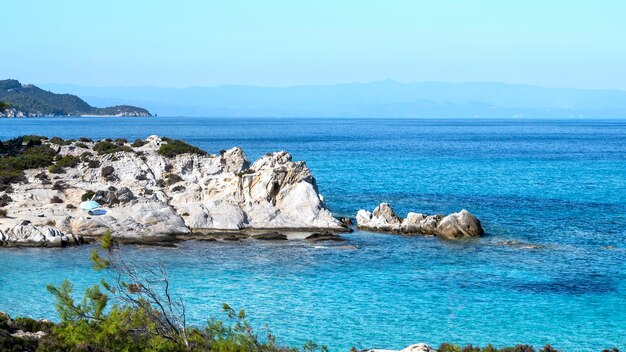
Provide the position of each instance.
(454, 226)
(419, 347)
(150, 192)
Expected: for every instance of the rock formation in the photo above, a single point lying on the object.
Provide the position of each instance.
(148, 194)
(454, 226)
(420, 347)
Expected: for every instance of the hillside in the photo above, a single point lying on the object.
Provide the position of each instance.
(25, 100)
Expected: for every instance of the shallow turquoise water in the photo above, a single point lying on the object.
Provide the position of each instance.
(561, 184)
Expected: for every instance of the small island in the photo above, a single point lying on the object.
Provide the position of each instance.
(27, 100)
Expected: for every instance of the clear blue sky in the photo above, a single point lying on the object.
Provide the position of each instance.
(181, 43)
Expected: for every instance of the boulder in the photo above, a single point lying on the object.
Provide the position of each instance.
(454, 226)
(459, 225)
(29, 235)
(420, 347)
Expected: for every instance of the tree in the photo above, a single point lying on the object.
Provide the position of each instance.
(133, 309)
(4, 106)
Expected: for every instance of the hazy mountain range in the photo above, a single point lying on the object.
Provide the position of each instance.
(376, 99)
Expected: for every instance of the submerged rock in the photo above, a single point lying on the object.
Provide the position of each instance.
(272, 236)
(454, 226)
(320, 237)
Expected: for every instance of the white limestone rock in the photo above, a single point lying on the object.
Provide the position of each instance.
(146, 195)
(29, 235)
(419, 347)
(454, 226)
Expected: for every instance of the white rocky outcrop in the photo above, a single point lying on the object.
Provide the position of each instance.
(457, 225)
(29, 235)
(419, 347)
(148, 195)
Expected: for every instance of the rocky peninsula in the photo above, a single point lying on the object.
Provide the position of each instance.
(158, 189)
(153, 190)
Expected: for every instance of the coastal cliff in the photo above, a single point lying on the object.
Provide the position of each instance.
(152, 190)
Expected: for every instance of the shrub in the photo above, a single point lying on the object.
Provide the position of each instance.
(107, 171)
(5, 199)
(59, 141)
(93, 164)
(87, 196)
(85, 139)
(50, 223)
(177, 147)
(121, 141)
(85, 156)
(3, 213)
(56, 169)
(172, 179)
(138, 143)
(81, 145)
(59, 186)
(67, 161)
(107, 147)
(133, 310)
(70, 206)
(141, 177)
(56, 200)
(448, 347)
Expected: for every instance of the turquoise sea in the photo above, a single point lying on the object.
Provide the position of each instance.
(557, 184)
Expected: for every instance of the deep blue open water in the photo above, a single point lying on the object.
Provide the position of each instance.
(557, 184)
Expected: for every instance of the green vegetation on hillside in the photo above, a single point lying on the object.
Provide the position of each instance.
(175, 147)
(33, 101)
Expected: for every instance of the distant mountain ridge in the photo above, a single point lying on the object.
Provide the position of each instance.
(377, 99)
(26, 100)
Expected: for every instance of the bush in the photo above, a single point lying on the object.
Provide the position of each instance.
(176, 147)
(59, 141)
(81, 145)
(93, 164)
(59, 186)
(56, 169)
(138, 143)
(172, 179)
(133, 310)
(121, 141)
(107, 147)
(3, 213)
(87, 196)
(56, 200)
(70, 206)
(67, 161)
(107, 171)
(5, 199)
(448, 347)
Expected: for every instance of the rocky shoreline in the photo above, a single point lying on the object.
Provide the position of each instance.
(161, 190)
